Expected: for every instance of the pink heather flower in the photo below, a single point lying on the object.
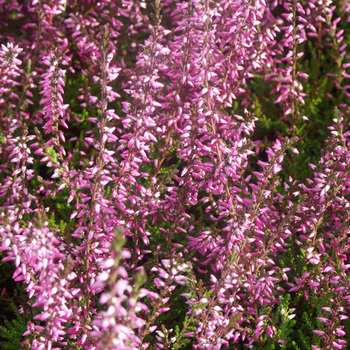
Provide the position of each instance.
(116, 327)
(175, 158)
(40, 264)
(53, 83)
(9, 69)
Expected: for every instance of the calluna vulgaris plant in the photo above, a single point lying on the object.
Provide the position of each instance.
(155, 188)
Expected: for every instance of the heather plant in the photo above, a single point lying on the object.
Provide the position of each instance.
(174, 174)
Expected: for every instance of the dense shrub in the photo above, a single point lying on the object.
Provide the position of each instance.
(174, 174)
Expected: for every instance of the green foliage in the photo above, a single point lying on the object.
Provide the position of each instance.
(12, 323)
(185, 342)
(284, 319)
(12, 330)
(294, 320)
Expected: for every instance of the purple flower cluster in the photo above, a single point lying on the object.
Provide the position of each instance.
(44, 269)
(127, 154)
